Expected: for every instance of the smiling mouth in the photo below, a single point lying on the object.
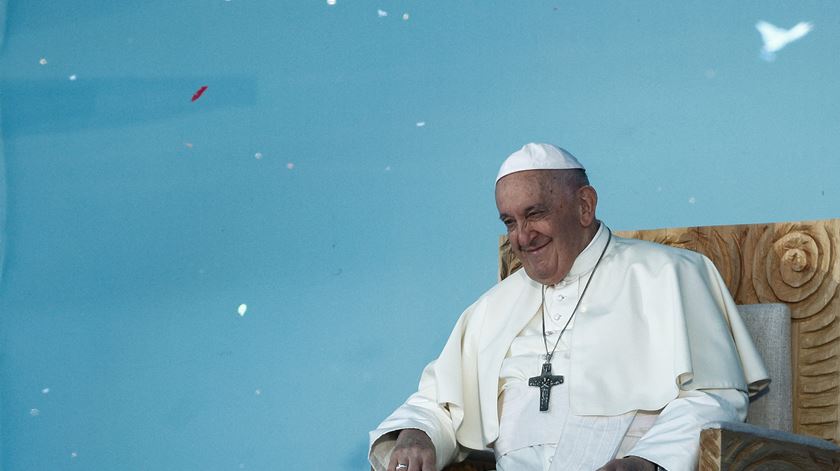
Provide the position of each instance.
(535, 249)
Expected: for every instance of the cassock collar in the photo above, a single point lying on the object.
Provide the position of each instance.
(586, 260)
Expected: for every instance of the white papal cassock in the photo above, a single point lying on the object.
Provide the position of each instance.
(656, 349)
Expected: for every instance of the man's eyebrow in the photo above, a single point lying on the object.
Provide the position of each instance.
(535, 207)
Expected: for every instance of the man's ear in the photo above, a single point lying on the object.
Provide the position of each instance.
(588, 199)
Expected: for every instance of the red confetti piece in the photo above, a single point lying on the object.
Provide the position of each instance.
(200, 92)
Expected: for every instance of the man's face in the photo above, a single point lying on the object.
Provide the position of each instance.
(548, 224)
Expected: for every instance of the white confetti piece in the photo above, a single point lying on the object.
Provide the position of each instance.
(382, 13)
(775, 38)
(43, 61)
(330, 2)
(258, 155)
(73, 454)
(188, 145)
(242, 309)
(72, 77)
(45, 391)
(34, 412)
(258, 392)
(405, 16)
(420, 124)
(290, 165)
(692, 200)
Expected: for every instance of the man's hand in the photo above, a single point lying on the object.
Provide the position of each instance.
(631, 463)
(415, 449)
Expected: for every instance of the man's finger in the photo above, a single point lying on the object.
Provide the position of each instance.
(396, 460)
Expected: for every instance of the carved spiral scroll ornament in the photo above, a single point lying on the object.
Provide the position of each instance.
(796, 264)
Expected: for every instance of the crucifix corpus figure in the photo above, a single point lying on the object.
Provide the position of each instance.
(545, 381)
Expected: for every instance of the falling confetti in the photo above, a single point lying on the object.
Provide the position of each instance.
(258, 392)
(290, 165)
(45, 391)
(775, 38)
(382, 13)
(330, 2)
(241, 310)
(34, 412)
(692, 200)
(200, 92)
(43, 61)
(258, 155)
(405, 16)
(420, 124)
(188, 145)
(74, 454)
(72, 77)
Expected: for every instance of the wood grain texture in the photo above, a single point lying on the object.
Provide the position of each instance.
(795, 263)
(729, 450)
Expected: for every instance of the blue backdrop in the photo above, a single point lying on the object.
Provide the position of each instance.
(336, 177)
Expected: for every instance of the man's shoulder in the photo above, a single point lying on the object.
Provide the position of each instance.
(509, 288)
(512, 284)
(657, 252)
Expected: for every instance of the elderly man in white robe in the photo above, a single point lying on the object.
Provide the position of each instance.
(603, 353)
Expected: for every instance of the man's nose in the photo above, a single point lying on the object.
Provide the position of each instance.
(524, 235)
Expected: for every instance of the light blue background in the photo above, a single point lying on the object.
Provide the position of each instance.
(136, 221)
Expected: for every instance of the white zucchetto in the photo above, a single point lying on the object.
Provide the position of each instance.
(536, 156)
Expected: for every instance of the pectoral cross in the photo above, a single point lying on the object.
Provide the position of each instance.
(545, 382)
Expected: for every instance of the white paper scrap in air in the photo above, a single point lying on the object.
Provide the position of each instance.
(382, 13)
(43, 61)
(405, 16)
(34, 412)
(242, 309)
(420, 124)
(776, 38)
(45, 391)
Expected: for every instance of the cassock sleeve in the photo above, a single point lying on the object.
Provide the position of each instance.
(673, 442)
(421, 411)
(437, 407)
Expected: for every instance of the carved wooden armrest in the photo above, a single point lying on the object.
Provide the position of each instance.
(476, 461)
(735, 446)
